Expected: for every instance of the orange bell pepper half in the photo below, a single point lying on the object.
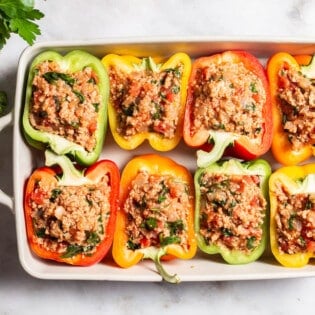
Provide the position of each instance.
(45, 212)
(282, 148)
(162, 233)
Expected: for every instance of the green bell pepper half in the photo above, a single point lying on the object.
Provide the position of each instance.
(233, 167)
(72, 62)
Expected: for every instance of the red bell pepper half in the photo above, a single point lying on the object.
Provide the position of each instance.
(228, 108)
(70, 214)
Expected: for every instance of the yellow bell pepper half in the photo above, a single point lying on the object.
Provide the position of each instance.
(292, 214)
(147, 100)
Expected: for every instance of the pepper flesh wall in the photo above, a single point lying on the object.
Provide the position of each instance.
(231, 209)
(228, 108)
(292, 214)
(153, 223)
(147, 100)
(70, 214)
(66, 105)
(292, 94)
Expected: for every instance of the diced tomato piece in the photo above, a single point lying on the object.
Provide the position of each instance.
(170, 96)
(134, 89)
(256, 97)
(92, 127)
(145, 242)
(311, 246)
(159, 128)
(38, 196)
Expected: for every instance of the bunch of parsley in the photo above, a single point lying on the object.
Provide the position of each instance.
(18, 16)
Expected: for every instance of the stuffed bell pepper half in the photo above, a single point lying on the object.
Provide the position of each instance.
(70, 213)
(228, 109)
(292, 88)
(147, 99)
(155, 220)
(232, 208)
(292, 214)
(66, 104)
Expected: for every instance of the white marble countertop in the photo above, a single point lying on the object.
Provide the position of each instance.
(98, 19)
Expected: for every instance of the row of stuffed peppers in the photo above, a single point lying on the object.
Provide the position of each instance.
(225, 103)
(157, 210)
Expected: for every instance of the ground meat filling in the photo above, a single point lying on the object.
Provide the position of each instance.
(146, 101)
(157, 210)
(65, 103)
(232, 211)
(228, 97)
(295, 220)
(70, 219)
(297, 104)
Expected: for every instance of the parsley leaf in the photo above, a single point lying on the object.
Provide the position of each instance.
(18, 16)
(3, 103)
(72, 250)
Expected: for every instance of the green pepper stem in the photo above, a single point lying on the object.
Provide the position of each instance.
(70, 175)
(148, 64)
(309, 70)
(221, 141)
(308, 185)
(155, 255)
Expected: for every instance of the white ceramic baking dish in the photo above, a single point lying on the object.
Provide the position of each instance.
(26, 159)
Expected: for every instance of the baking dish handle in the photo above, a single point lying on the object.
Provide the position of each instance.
(6, 120)
(5, 198)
